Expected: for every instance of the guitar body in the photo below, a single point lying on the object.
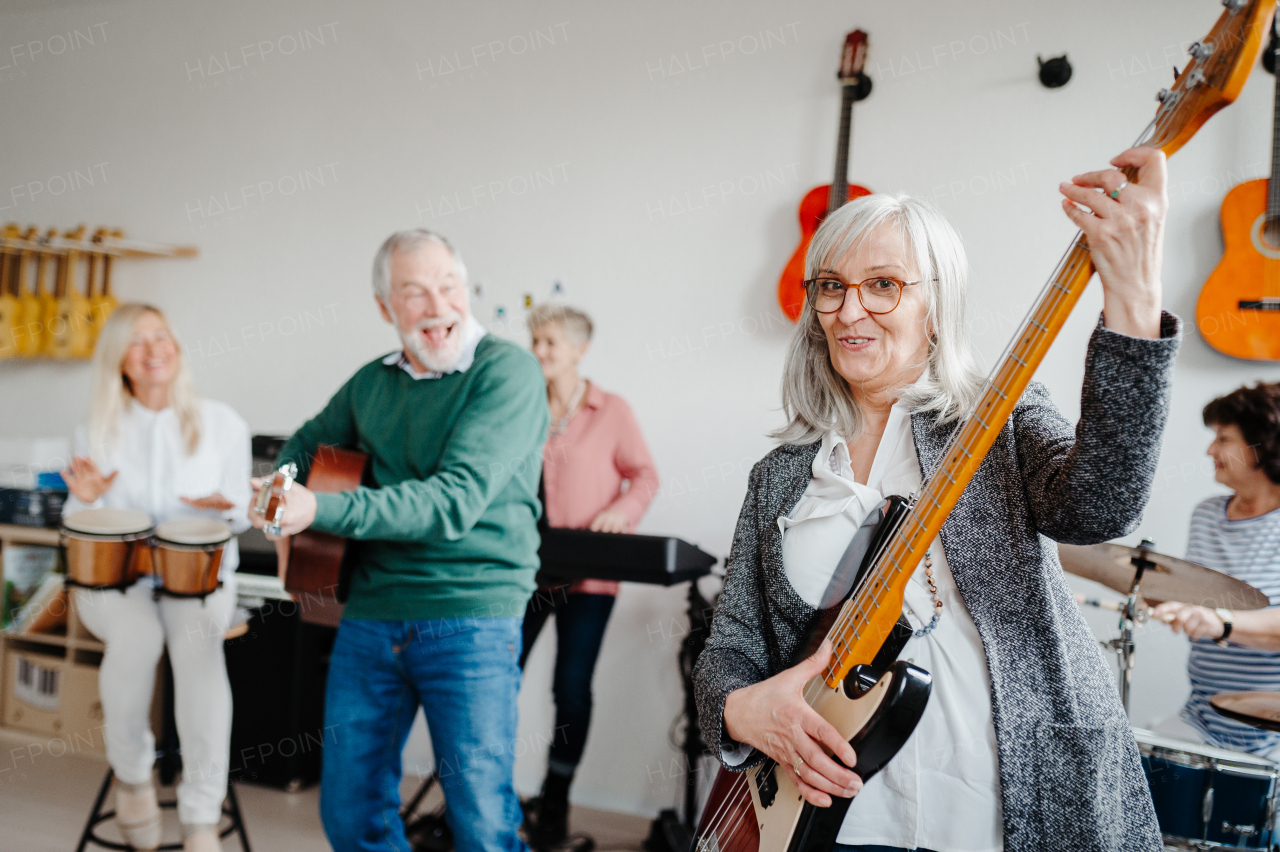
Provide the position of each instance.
(317, 560)
(767, 812)
(1239, 307)
(70, 333)
(10, 318)
(813, 209)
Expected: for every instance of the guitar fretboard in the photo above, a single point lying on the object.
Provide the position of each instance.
(840, 181)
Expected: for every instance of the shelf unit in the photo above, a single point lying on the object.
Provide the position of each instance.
(60, 671)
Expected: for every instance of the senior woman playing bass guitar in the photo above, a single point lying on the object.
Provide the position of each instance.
(1023, 743)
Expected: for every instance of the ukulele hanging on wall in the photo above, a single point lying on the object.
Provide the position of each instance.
(821, 200)
(1238, 312)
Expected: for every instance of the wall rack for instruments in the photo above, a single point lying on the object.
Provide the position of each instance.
(55, 287)
(112, 244)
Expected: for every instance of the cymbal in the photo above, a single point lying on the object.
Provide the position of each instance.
(1260, 709)
(1169, 579)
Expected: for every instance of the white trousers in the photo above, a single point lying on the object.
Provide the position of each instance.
(136, 629)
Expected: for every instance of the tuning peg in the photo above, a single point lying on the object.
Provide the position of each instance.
(1234, 5)
(1201, 50)
(1163, 95)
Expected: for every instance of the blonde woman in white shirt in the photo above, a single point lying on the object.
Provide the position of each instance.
(153, 446)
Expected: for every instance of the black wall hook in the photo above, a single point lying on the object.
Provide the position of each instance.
(1054, 72)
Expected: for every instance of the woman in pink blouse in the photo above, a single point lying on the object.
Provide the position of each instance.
(594, 445)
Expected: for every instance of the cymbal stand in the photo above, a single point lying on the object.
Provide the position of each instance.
(1132, 611)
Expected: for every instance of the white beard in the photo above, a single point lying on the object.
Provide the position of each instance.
(441, 358)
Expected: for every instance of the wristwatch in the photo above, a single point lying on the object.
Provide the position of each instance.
(1227, 617)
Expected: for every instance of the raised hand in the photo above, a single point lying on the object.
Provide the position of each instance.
(1124, 222)
(85, 481)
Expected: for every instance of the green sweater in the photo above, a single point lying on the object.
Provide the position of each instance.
(450, 531)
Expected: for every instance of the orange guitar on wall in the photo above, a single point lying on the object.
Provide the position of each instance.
(1239, 308)
(821, 200)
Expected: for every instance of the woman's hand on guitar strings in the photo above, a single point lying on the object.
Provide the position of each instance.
(774, 717)
(1124, 222)
(85, 481)
(299, 509)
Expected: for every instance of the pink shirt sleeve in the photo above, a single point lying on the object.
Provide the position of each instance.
(632, 460)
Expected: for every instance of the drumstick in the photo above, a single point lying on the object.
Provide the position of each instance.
(1118, 606)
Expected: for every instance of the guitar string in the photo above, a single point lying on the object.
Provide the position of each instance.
(1071, 264)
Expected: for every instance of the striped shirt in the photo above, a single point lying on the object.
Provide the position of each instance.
(1248, 550)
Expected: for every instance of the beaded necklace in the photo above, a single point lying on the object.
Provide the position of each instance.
(933, 590)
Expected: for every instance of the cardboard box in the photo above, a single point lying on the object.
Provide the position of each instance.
(44, 694)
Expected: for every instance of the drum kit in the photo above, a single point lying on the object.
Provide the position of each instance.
(1205, 797)
(113, 548)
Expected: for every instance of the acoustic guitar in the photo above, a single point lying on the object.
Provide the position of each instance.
(871, 697)
(10, 307)
(70, 335)
(821, 200)
(1238, 311)
(314, 563)
(26, 334)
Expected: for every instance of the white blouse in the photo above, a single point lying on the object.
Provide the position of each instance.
(942, 790)
(155, 469)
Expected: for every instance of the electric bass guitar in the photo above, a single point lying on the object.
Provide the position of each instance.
(869, 697)
(818, 202)
(1238, 312)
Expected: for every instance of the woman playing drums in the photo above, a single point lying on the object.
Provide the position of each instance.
(1023, 744)
(152, 446)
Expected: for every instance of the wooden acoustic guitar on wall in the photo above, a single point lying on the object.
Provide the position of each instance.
(821, 200)
(315, 563)
(872, 698)
(1238, 312)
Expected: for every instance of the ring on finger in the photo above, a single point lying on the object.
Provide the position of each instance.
(798, 765)
(1115, 193)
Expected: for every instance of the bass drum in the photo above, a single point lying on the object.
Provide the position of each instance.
(1209, 798)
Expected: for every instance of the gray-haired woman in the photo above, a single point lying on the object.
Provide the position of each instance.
(1023, 744)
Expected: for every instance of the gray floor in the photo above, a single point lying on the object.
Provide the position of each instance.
(44, 801)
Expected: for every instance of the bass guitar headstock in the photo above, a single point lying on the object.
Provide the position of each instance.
(1220, 64)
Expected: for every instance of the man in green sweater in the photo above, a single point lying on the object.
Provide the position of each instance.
(445, 548)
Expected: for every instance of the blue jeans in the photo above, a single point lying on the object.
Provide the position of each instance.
(580, 623)
(463, 672)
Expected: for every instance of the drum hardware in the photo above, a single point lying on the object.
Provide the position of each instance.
(1142, 575)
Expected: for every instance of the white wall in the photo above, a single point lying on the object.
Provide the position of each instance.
(664, 199)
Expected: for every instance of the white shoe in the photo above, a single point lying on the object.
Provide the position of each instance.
(201, 838)
(138, 815)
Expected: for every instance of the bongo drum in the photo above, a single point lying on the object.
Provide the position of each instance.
(104, 547)
(186, 554)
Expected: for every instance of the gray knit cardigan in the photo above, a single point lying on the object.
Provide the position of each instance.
(1070, 774)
